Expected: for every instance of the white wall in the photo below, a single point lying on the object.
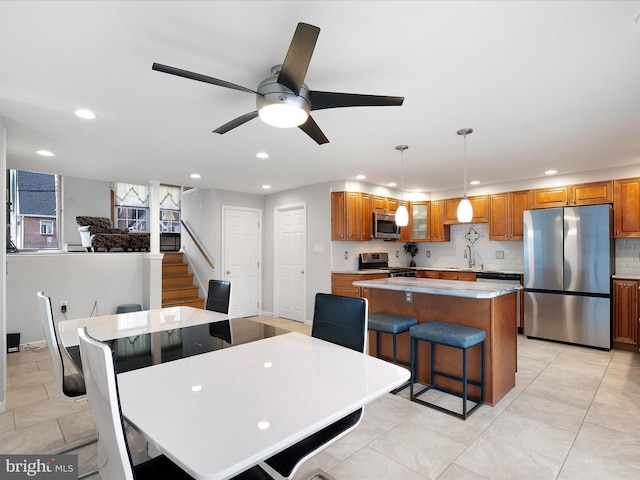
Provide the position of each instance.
(81, 196)
(80, 279)
(318, 273)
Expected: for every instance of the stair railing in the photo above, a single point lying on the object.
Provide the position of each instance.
(195, 240)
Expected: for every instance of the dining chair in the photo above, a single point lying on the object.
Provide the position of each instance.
(70, 386)
(113, 455)
(218, 296)
(343, 321)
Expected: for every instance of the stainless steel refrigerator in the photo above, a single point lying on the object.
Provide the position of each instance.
(568, 263)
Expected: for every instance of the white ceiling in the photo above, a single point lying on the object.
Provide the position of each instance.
(553, 84)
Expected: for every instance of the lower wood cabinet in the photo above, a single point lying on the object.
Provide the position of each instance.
(625, 314)
(447, 275)
(342, 283)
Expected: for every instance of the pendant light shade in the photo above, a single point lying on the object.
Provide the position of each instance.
(402, 214)
(465, 210)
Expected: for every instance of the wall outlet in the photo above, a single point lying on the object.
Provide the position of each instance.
(408, 297)
(346, 255)
(500, 254)
(63, 306)
(428, 253)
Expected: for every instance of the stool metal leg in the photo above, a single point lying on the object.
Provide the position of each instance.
(464, 383)
(413, 367)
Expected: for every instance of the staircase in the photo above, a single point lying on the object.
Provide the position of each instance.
(177, 283)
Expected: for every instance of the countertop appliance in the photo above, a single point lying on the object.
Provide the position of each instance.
(568, 263)
(380, 261)
(384, 226)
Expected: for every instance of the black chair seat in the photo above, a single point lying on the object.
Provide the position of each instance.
(73, 385)
(285, 461)
(159, 467)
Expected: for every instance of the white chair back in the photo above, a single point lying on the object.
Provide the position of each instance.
(114, 458)
(75, 383)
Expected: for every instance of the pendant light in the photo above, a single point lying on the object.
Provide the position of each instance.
(402, 214)
(465, 210)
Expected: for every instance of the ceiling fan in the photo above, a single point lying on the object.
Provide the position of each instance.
(284, 100)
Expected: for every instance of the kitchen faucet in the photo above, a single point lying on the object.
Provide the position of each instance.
(468, 255)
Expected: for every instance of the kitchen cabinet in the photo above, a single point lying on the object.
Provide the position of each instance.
(550, 197)
(625, 314)
(427, 274)
(505, 215)
(626, 208)
(418, 228)
(591, 193)
(438, 231)
(479, 203)
(384, 204)
(350, 215)
(342, 283)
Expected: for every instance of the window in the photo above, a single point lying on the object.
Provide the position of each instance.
(32, 210)
(169, 220)
(46, 227)
(132, 218)
(132, 206)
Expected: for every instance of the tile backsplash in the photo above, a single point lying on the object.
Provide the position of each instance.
(501, 256)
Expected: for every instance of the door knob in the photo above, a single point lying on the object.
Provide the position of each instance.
(228, 272)
(302, 272)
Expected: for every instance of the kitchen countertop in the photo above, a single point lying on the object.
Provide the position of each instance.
(441, 287)
(436, 269)
(629, 276)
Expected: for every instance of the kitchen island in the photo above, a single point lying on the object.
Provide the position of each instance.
(492, 307)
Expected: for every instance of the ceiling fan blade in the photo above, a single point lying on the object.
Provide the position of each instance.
(235, 123)
(296, 63)
(199, 77)
(311, 128)
(322, 100)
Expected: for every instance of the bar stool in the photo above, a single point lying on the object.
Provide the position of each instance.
(129, 307)
(382, 322)
(450, 335)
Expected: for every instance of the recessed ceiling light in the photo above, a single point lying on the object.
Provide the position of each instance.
(263, 425)
(266, 187)
(474, 182)
(551, 172)
(360, 177)
(46, 153)
(195, 175)
(262, 155)
(86, 114)
(392, 184)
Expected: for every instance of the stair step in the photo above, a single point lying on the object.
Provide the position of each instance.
(172, 281)
(185, 302)
(177, 269)
(172, 258)
(180, 292)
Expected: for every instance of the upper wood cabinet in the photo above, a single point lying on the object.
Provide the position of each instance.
(550, 197)
(418, 228)
(384, 204)
(626, 207)
(591, 193)
(505, 215)
(438, 231)
(392, 204)
(479, 203)
(350, 216)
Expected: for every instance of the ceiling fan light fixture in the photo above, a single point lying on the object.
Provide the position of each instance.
(283, 115)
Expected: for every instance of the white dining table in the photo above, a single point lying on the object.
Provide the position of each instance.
(220, 413)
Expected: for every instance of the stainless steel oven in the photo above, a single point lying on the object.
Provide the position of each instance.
(380, 261)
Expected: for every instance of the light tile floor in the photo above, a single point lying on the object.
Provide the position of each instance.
(574, 414)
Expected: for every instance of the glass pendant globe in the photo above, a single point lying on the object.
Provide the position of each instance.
(402, 216)
(465, 210)
(282, 115)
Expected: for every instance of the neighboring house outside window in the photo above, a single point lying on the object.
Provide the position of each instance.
(34, 198)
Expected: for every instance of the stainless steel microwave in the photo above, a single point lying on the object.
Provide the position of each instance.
(384, 226)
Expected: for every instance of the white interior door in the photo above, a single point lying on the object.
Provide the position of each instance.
(291, 242)
(242, 255)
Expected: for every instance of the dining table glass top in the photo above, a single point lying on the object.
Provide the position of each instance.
(145, 338)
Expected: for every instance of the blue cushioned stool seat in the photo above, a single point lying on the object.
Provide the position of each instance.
(390, 323)
(450, 335)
